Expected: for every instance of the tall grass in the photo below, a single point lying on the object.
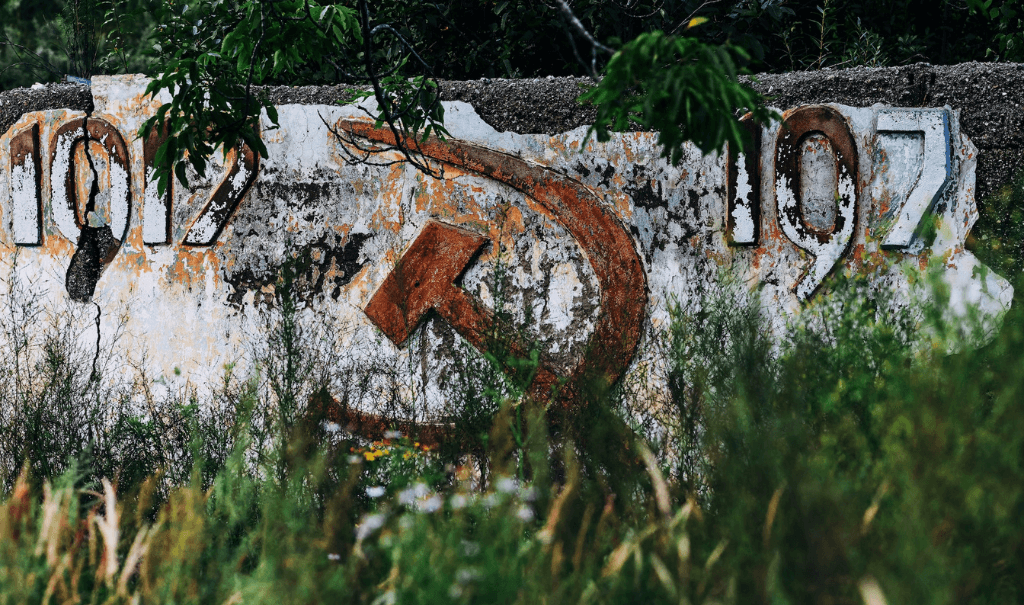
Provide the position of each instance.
(845, 464)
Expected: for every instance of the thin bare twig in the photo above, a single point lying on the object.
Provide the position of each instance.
(595, 46)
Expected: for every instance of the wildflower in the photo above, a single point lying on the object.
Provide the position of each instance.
(334, 557)
(470, 549)
(407, 455)
(410, 495)
(375, 491)
(525, 513)
(353, 459)
(429, 505)
(506, 485)
(370, 524)
(332, 427)
(459, 501)
(466, 575)
(393, 435)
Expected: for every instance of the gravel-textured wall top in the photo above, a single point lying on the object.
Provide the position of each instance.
(15, 103)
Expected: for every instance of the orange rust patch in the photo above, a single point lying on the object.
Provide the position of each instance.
(191, 265)
(57, 246)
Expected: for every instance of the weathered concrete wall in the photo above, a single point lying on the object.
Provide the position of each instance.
(531, 237)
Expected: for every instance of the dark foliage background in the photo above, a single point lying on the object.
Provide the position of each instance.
(469, 39)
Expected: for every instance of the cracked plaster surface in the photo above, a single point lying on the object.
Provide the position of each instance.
(192, 309)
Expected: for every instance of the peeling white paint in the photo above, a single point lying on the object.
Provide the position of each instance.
(118, 197)
(826, 254)
(744, 230)
(25, 204)
(205, 226)
(155, 213)
(195, 308)
(936, 170)
(565, 282)
(62, 207)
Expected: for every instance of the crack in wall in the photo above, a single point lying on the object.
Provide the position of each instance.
(97, 245)
(94, 376)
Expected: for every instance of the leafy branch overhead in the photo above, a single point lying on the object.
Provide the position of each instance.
(216, 54)
(682, 88)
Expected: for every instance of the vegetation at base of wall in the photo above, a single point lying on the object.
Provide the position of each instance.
(847, 462)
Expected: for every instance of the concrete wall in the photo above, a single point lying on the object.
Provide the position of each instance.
(530, 234)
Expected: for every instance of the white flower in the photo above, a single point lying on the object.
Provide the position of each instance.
(332, 427)
(354, 459)
(376, 491)
(392, 434)
(470, 549)
(429, 505)
(466, 575)
(525, 513)
(410, 495)
(459, 501)
(506, 485)
(370, 524)
(334, 557)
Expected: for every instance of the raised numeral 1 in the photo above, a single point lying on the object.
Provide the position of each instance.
(743, 201)
(156, 208)
(26, 190)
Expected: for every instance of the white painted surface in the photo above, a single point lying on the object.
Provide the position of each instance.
(826, 254)
(63, 207)
(188, 310)
(155, 213)
(936, 170)
(744, 230)
(25, 204)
